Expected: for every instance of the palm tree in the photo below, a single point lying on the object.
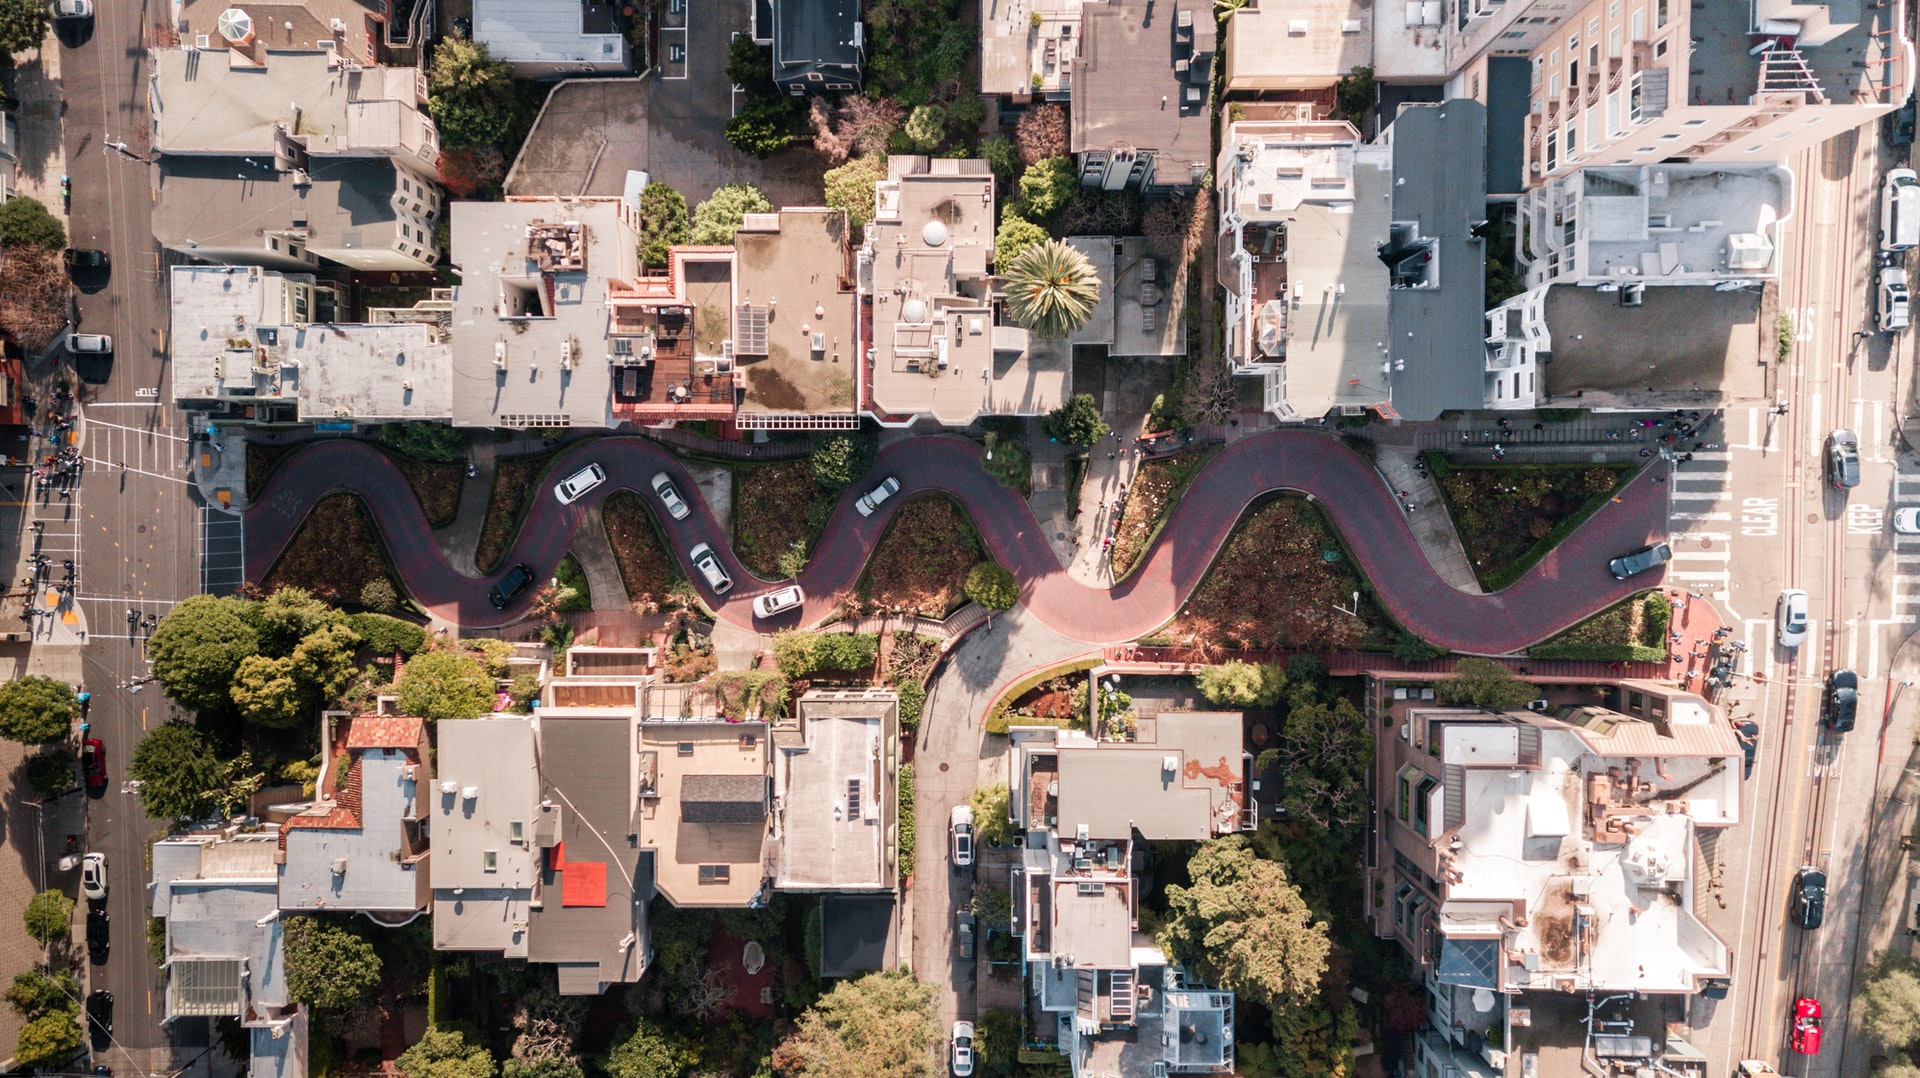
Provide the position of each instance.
(1051, 289)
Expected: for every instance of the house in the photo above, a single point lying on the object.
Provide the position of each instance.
(358, 31)
(1140, 117)
(1677, 253)
(532, 340)
(937, 348)
(672, 348)
(1027, 50)
(1308, 45)
(554, 39)
(362, 844)
(1118, 1004)
(819, 46)
(796, 322)
(486, 877)
(253, 345)
(704, 809)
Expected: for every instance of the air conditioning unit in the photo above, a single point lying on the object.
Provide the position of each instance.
(499, 355)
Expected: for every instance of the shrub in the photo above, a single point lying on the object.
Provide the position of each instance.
(904, 785)
(1047, 185)
(663, 223)
(1002, 156)
(912, 699)
(26, 222)
(379, 595)
(927, 127)
(1656, 613)
(850, 188)
(383, 635)
(993, 586)
(1015, 235)
(761, 127)
(840, 460)
(719, 216)
(435, 442)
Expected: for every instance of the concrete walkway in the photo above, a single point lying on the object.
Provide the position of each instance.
(1431, 525)
(1110, 469)
(595, 554)
(460, 539)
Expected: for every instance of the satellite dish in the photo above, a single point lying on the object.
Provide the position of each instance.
(235, 26)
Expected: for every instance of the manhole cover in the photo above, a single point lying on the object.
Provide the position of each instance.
(143, 529)
(1813, 518)
(1706, 544)
(943, 767)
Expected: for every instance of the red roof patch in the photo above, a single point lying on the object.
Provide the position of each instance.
(384, 732)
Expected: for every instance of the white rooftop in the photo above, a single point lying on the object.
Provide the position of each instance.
(212, 101)
(1658, 224)
(1303, 44)
(542, 32)
(366, 867)
(477, 907)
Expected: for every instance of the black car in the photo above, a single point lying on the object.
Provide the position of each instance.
(100, 1017)
(1749, 733)
(1842, 699)
(963, 925)
(80, 259)
(510, 586)
(1809, 897)
(97, 934)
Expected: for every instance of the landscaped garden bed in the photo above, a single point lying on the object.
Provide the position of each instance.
(778, 513)
(516, 483)
(1510, 515)
(1156, 489)
(436, 486)
(920, 565)
(1281, 580)
(263, 458)
(336, 553)
(1631, 631)
(646, 568)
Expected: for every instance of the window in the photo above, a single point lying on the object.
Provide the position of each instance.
(1639, 26)
(1696, 123)
(1593, 57)
(1659, 49)
(1659, 13)
(1613, 10)
(1510, 34)
(1476, 86)
(1635, 701)
(1670, 138)
(715, 873)
(686, 748)
(1613, 43)
(1422, 799)
(1593, 26)
(490, 861)
(517, 831)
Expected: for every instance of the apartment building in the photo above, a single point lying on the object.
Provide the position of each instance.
(361, 845)
(554, 39)
(796, 322)
(357, 30)
(669, 340)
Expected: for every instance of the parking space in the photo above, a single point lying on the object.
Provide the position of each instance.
(223, 552)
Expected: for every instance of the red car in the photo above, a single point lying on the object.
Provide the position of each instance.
(1805, 1038)
(93, 764)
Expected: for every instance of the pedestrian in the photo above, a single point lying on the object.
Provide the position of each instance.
(1646, 452)
(1659, 478)
(1405, 495)
(1109, 456)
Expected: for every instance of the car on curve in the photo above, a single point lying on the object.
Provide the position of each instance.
(669, 496)
(874, 498)
(708, 563)
(570, 489)
(509, 587)
(778, 601)
(1639, 561)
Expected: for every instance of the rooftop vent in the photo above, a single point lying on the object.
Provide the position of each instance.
(933, 233)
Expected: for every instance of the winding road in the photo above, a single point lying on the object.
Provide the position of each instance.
(1570, 583)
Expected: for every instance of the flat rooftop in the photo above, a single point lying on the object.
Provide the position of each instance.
(592, 921)
(1173, 785)
(1127, 93)
(1336, 328)
(794, 330)
(283, 26)
(1678, 341)
(1013, 50)
(215, 102)
(364, 849)
(474, 841)
(1301, 45)
(547, 32)
(707, 817)
(836, 803)
(1660, 223)
(1093, 922)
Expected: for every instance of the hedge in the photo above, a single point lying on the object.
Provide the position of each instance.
(1615, 653)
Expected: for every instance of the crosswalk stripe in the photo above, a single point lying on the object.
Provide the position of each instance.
(1699, 495)
(1690, 574)
(1677, 515)
(1703, 555)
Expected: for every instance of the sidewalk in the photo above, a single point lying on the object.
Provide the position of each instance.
(1110, 469)
(41, 152)
(1434, 528)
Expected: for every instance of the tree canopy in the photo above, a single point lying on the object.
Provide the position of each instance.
(34, 993)
(849, 187)
(1051, 289)
(663, 223)
(763, 126)
(1890, 996)
(333, 968)
(1326, 747)
(646, 1049)
(426, 441)
(25, 221)
(992, 585)
(926, 127)
(1243, 926)
(1077, 422)
(996, 1043)
(445, 1053)
(1016, 234)
(1485, 683)
(1047, 185)
(49, 1040)
(472, 96)
(719, 216)
(177, 771)
(197, 648)
(1241, 684)
(798, 653)
(991, 809)
(877, 1026)
(23, 26)
(49, 917)
(840, 460)
(36, 709)
(445, 685)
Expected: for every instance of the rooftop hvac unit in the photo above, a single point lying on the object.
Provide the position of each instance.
(1169, 765)
(449, 786)
(339, 866)
(470, 793)
(339, 26)
(499, 355)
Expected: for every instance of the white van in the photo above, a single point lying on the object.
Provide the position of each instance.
(573, 486)
(1900, 211)
(705, 560)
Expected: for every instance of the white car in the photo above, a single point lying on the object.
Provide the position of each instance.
(963, 1049)
(705, 560)
(874, 498)
(1906, 521)
(669, 496)
(778, 601)
(1900, 210)
(962, 828)
(93, 876)
(90, 344)
(1892, 310)
(73, 9)
(570, 489)
(1790, 617)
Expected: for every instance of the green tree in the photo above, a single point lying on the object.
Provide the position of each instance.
(1002, 156)
(49, 917)
(845, 651)
(177, 771)
(1016, 234)
(378, 595)
(445, 685)
(996, 1043)
(926, 127)
(663, 223)
(1485, 683)
(1047, 185)
(1354, 95)
(324, 660)
(763, 126)
(288, 616)
(1051, 289)
(197, 648)
(540, 1068)
(1310, 1041)
(34, 993)
(991, 812)
(992, 585)
(24, 221)
(876, 1026)
(993, 908)
(717, 218)
(1077, 422)
(1326, 749)
(37, 709)
(1008, 461)
(1891, 997)
(471, 95)
(795, 652)
(385, 635)
(840, 460)
(23, 26)
(445, 1053)
(1241, 684)
(51, 771)
(49, 1040)
(750, 66)
(1242, 926)
(267, 692)
(1901, 1069)
(645, 1049)
(850, 188)
(331, 967)
(426, 441)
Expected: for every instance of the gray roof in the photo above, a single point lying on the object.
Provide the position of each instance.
(723, 799)
(836, 802)
(1437, 335)
(1126, 92)
(279, 1050)
(1509, 98)
(587, 773)
(223, 203)
(853, 933)
(813, 34)
(375, 874)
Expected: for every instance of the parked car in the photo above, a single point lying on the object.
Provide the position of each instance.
(100, 1017)
(705, 560)
(963, 926)
(93, 876)
(1841, 701)
(82, 259)
(97, 934)
(73, 9)
(1790, 617)
(1900, 124)
(90, 344)
(1749, 733)
(1900, 210)
(874, 498)
(669, 496)
(1647, 557)
(1906, 522)
(93, 764)
(778, 601)
(1809, 897)
(1892, 310)
(961, 827)
(963, 1049)
(1805, 1037)
(1843, 459)
(509, 587)
(569, 490)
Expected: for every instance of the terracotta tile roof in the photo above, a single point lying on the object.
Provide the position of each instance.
(384, 732)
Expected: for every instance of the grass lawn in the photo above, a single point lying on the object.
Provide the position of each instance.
(921, 563)
(1276, 582)
(1155, 490)
(1631, 631)
(335, 555)
(436, 486)
(262, 459)
(774, 507)
(515, 486)
(572, 576)
(646, 568)
(1510, 515)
